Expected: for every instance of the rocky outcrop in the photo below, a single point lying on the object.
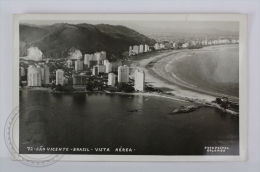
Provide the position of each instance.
(184, 109)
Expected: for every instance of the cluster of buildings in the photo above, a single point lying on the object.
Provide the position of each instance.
(194, 43)
(138, 49)
(37, 75)
(94, 68)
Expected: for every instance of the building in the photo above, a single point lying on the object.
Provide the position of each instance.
(105, 62)
(206, 41)
(111, 79)
(22, 71)
(98, 56)
(80, 82)
(78, 65)
(87, 58)
(108, 67)
(185, 45)
(59, 77)
(130, 51)
(92, 63)
(136, 49)
(34, 77)
(141, 48)
(146, 48)
(101, 68)
(162, 46)
(103, 55)
(95, 71)
(139, 80)
(157, 46)
(69, 63)
(123, 74)
(46, 75)
(175, 46)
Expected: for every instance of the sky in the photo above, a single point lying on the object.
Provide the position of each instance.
(152, 25)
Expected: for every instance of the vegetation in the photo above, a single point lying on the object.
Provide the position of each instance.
(125, 88)
(58, 40)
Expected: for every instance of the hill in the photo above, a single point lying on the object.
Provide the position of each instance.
(58, 40)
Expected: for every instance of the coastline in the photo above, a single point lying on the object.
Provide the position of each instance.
(173, 90)
(177, 87)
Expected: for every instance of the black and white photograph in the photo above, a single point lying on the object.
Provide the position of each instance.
(150, 85)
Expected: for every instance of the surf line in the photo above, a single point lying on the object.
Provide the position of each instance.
(167, 66)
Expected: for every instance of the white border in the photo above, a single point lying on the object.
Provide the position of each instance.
(243, 95)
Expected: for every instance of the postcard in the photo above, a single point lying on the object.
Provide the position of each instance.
(129, 87)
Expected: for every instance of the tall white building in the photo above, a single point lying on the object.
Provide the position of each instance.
(95, 71)
(146, 48)
(130, 50)
(87, 58)
(59, 77)
(141, 48)
(123, 74)
(139, 80)
(78, 65)
(108, 67)
(46, 74)
(111, 79)
(136, 49)
(101, 68)
(34, 76)
(105, 62)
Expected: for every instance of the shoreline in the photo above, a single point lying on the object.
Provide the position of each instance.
(177, 87)
(203, 103)
(172, 90)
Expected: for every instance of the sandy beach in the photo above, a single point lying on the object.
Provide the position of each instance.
(157, 76)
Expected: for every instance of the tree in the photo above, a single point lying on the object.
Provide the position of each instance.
(53, 86)
(129, 89)
(89, 86)
(68, 88)
(59, 87)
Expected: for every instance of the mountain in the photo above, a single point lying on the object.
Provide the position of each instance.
(58, 40)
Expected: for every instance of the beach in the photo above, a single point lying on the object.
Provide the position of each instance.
(161, 76)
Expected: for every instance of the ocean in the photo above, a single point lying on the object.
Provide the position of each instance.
(215, 69)
(100, 120)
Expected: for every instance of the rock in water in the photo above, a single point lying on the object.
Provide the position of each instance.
(184, 109)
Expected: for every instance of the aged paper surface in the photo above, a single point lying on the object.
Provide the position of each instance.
(130, 87)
